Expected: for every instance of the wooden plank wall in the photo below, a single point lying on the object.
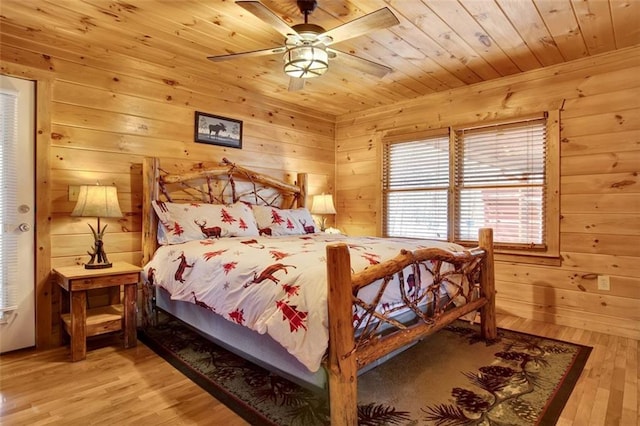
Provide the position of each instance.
(107, 113)
(600, 192)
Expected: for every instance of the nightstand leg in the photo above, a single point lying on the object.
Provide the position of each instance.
(114, 295)
(78, 325)
(130, 338)
(63, 297)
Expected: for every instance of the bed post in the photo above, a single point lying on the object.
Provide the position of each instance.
(303, 185)
(150, 170)
(487, 281)
(150, 221)
(343, 401)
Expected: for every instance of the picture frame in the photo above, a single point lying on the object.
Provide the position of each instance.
(217, 130)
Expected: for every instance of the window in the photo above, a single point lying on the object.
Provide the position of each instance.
(416, 180)
(8, 240)
(447, 185)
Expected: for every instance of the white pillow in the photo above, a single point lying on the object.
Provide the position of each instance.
(274, 221)
(180, 222)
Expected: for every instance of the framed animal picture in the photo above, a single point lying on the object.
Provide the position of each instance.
(217, 130)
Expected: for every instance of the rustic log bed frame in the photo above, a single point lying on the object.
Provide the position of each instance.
(348, 351)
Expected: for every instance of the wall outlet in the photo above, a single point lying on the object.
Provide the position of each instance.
(603, 283)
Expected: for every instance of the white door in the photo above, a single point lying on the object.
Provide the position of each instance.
(17, 157)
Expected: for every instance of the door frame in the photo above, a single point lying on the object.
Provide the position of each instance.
(46, 336)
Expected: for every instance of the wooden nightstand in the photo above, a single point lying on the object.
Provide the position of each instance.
(81, 322)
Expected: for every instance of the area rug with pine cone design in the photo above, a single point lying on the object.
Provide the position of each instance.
(450, 378)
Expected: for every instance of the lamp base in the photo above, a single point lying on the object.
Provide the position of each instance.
(98, 257)
(323, 223)
(97, 265)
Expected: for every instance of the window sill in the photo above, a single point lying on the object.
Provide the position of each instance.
(522, 256)
(528, 258)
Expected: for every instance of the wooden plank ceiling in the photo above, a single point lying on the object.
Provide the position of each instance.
(438, 45)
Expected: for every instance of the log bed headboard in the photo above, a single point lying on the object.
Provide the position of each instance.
(224, 183)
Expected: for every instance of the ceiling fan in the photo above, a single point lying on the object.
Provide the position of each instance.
(306, 46)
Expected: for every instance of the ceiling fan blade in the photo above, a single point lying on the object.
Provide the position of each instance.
(362, 64)
(296, 84)
(264, 13)
(381, 18)
(251, 53)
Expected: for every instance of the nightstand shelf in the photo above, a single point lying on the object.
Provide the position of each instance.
(104, 319)
(81, 322)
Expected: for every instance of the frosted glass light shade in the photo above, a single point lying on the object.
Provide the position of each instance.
(306, 61)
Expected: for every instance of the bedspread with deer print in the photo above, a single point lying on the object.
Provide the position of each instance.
(277, 285)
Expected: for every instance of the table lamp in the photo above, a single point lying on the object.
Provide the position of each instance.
(97, 201)
(322, 205)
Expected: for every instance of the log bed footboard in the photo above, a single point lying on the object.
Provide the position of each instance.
(472, 275)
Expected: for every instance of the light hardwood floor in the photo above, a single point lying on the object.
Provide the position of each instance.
(135, 386)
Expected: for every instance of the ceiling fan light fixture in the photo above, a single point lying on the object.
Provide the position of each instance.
(306, 61)
(307, 46)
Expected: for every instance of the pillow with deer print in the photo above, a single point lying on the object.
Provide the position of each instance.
(179, 222)
(274, 221)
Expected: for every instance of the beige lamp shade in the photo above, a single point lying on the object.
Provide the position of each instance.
(323, 204)
(97, 201)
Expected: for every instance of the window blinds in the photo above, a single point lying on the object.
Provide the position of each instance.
(493, 176)
(500, 180)
(8, 208)
(416, 180)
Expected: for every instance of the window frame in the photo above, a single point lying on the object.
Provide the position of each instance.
(551, 252)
